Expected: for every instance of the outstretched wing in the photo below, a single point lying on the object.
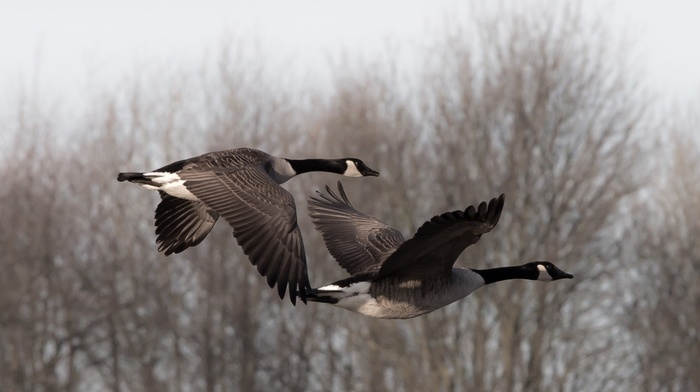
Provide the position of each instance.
(264, 221)
(357, 241)
(182, 223)
(436, 245)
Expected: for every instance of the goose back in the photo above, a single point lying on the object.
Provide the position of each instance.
(263, 218)
(438, 243)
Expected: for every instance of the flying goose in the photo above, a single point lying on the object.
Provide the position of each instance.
(394, 278)
(242, 185)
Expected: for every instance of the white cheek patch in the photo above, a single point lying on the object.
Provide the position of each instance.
(544, 275)
(352, 171)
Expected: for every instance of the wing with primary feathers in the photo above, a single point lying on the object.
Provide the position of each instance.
(436, 245)
(264, 221)
(182, 223)
(357, 241)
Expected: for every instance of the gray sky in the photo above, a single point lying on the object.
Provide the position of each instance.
(64, 44)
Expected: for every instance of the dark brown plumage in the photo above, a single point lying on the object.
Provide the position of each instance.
(242, 186)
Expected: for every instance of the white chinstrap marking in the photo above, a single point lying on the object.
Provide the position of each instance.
(170, 184)
(352, 170)
(544, 275)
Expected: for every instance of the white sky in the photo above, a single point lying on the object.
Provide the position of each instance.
(63, 44)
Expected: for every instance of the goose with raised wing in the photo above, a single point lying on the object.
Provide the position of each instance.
(243, 186)
(397, 279)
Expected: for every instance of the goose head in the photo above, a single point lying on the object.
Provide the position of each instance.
(356, 168)
(546, 271)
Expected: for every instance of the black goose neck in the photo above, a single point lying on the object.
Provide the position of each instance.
(493, 275)
(310, 165)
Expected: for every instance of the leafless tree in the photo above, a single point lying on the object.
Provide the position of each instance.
(663, 314)
(540, 107)
(537, 103)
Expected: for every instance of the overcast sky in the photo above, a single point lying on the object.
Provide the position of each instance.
(64, 43)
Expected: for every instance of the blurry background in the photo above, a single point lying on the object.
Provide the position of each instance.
(586, 116)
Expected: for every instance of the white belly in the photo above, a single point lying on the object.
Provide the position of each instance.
(363, 304)
(370, 306)
(356, 298)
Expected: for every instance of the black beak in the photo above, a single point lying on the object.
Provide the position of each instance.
(370, 172)
(559, 274)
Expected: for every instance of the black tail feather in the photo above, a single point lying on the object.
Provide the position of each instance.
(133, 177)
(313, 296)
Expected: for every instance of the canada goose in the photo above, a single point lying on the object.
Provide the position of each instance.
(242, 185)
(395, 278)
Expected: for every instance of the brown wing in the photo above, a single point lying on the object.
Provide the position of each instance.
(182, 223)
(264, 221)
(436, 245)
(357, 241)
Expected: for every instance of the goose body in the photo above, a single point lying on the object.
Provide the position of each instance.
(243, 186)
(395, 278)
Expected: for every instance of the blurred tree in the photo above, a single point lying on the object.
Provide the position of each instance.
(39, 334)
(542, 108)
(664, 314)
(537, 102)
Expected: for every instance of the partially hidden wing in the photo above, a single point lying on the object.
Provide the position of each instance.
(264, 221)
(436, 245)
(182, 223)
(357, 241)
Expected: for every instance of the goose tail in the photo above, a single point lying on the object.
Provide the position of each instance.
(324, 296)
(132, 177)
